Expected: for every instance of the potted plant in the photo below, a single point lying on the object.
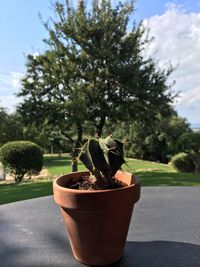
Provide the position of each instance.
(97, 204)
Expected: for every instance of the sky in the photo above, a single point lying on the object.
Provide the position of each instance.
(175, 26)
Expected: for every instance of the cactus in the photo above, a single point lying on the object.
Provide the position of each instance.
(103, 158)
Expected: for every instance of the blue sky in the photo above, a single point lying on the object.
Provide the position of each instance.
(22, 32)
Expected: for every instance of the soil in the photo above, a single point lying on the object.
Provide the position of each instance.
(86, 183)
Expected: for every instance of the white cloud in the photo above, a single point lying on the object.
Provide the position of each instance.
(9, 102)
(35, 55)
(4, 83)
(9, 86)
(16, 77)
(177, 41)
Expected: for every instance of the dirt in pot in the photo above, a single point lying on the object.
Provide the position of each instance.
(86, 183)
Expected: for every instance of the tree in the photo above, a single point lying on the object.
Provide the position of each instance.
(53, 98)
(114, 76)
(11, 127)
(49, 138)
(3, 119)
(93, 71)
(156, 141)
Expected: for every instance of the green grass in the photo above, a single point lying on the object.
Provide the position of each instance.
(135, 165)
(59, 164)
(163, 178)
(150, 173)
(11, 192)
(157, 174)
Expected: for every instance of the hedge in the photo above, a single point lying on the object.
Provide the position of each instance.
(183, 162)
(20, 158)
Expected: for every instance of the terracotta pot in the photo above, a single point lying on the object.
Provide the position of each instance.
(97, 221)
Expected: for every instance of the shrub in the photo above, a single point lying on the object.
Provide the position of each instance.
(190, 143)
(20, 158)
(183, 162)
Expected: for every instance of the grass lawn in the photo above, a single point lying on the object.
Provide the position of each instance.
(11, 192)
(157, 174)
(150, 173)
(59, 164)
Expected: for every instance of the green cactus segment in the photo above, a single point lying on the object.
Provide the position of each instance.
(97, 155)
(104, 148)
(85, 158)
(103, 158)
(116, 157)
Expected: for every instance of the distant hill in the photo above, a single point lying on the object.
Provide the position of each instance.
(195, 126)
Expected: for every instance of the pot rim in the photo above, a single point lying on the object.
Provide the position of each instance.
(81, 191)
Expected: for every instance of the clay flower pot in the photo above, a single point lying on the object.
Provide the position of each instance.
(97, 221)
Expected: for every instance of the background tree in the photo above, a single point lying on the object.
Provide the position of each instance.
(93, 72)
(3, 119)
(157, 141)
(13, 127)
(114, 77)
(10, 127)
(50, 139)
(53, 98)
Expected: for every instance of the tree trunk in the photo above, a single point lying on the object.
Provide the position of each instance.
(76, 147)
(51, 149)
(99, 127)
(197, 163)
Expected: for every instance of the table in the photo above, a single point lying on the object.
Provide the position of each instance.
(164, 232)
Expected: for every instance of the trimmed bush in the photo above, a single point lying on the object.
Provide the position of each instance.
(20, 158)
(183, 162)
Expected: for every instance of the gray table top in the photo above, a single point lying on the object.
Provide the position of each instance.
(164, 232)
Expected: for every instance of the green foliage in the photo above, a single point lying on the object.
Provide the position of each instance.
(102, 157)
(20, 158)
(154, 140)
(3, 119)
(94, 62)
(48, 137)
(10, 127)
(183, 162)
(14, 127)
(190, 143)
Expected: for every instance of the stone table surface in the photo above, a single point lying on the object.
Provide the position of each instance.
(164, 232)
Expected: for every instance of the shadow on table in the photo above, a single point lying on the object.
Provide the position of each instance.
(51, 249)
(136, 254)
(160, 254)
